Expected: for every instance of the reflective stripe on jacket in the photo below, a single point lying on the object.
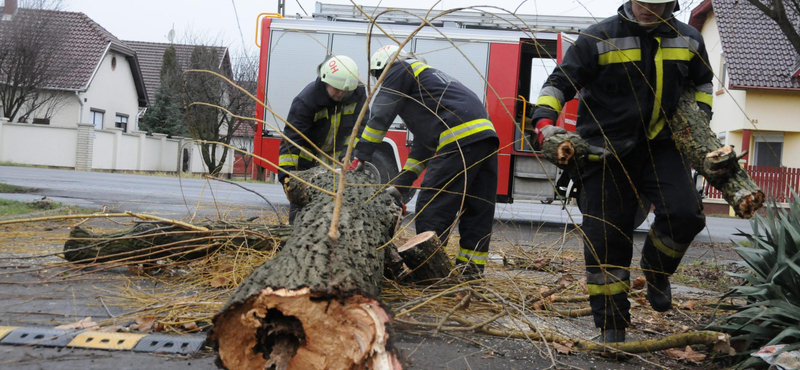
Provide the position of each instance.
(631, 80)
(326, 124)
(442, 113)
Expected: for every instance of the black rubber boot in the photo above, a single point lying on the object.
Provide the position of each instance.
(612, 336)
(659, 291)
(469, 270)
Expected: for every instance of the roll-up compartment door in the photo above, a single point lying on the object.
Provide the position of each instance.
(443, 55)
(293, 60)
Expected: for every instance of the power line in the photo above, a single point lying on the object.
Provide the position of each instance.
(239, 24)
(301, 7)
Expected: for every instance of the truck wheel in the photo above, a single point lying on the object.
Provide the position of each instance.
(388, 171)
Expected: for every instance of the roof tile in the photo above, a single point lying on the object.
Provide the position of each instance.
(758, 54)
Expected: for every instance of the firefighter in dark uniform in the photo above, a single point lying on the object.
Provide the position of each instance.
(630, 70)
(449, 121)
(322, 117)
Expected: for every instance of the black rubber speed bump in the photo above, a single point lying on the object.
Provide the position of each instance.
(39, 337)
(182, 345)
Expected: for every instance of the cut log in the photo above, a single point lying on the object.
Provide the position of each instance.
(567, 151)
(425, 258)
(315, 305)
(717, 163)
(159, 240)
(694, 138)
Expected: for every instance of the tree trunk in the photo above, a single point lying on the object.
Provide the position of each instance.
(425, 258)
(153, 241)
(694, 138)
(315, 305)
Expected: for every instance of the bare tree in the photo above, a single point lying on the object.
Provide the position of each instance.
(29, 60)
(786, 14)
(203, 91)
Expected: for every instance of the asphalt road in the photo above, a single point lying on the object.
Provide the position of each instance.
(29, 304)
(180, 198)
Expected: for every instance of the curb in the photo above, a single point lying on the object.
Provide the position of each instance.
(90, 339)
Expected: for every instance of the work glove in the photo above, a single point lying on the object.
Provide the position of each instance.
(356, 165)
(598, 154)
(397, 195)
(546, 128)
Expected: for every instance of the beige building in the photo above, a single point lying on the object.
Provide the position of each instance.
(757, 99)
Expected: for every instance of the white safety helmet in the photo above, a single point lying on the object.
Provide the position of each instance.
(340, 72)
(668, 11)
(379, 58)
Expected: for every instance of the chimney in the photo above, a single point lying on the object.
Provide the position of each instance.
(9, 9)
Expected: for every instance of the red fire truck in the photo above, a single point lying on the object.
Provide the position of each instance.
(504, 66)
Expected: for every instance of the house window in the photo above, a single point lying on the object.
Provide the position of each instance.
(41, 121)
(97, 118)
(121, 122)
(768, 149)
(114, 63)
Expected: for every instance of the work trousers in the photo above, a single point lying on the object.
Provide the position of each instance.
(608, 201)
(437, 211)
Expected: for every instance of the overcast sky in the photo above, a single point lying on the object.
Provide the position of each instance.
(151, 20)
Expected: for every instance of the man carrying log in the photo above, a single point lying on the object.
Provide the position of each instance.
(630, 70)
(321, 118)
(448, 120)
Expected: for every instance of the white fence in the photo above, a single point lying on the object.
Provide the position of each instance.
(85, 148)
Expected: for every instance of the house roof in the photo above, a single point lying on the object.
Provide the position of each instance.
(151, 55)
(758, 54)
(84, 45)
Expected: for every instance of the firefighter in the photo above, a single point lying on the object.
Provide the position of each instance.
(448, 120)
(322, 117)
(630, 70)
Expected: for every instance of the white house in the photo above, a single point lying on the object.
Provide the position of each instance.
(101, 92)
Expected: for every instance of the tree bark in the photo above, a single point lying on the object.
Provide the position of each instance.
(425, 258)
(159, 240)
(717, 163)
(315, 305)
(694, 138)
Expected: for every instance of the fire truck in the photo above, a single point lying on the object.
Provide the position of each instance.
(502, 58)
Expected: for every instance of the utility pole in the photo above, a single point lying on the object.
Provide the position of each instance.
(282, 7)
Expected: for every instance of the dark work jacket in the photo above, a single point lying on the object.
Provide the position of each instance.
(620, 70)
(441, 112)
(326, 123)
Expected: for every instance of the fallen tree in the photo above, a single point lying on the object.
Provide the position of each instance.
(316, 305)
(163, 239)
(690, 127)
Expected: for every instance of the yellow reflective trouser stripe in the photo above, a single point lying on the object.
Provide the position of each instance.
(414, 166)
(463, 130)
(288, 160)
(620, 56)
(657, 124)
(609, 289)
(468, 255)
(702, 97)
(349, 109)
(550, 101)
(372, 135)
(678, 54)
(418, 67)
(663, 248)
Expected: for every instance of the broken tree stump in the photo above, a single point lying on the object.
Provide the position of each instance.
(315, 305)
(694, 138)
(159, 240)
(717, 163)
(425, 258)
